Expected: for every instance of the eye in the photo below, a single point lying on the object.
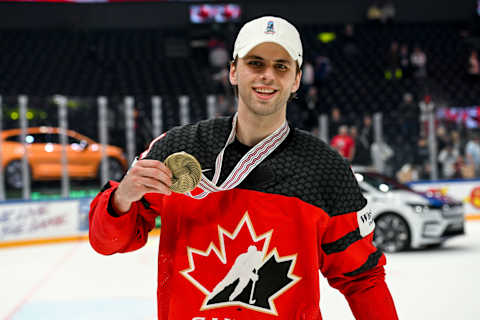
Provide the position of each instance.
(281, 67)
(255, 63)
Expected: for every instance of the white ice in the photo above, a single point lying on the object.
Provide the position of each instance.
(71, 281)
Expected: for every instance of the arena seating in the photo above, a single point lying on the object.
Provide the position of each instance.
(160, 62)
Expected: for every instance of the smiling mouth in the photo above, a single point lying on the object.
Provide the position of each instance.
(264, 93)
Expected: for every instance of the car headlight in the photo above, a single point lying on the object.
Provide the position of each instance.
(422, 208)
(419, 208)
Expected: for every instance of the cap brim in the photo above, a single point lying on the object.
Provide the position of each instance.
(245, 50)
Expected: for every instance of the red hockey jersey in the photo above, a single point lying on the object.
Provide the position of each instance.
(254, 252)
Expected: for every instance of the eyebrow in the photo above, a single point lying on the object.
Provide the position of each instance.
(260, 58)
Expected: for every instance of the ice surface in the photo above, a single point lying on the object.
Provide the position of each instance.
(71, 281)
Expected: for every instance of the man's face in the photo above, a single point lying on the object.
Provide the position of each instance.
(265, 77)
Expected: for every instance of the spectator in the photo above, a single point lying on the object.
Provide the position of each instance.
(422, 158)
(308, 76)
(343, 143)
(443, 139)
(336, 121)
(418, 59)
(366, 130)
(218, 55)
(472, 152)
(466, 171)
(392, 61)
(405, 60)
(362, 155)
(456, 141)
(448, 158)
(350, 48)
(381, 152)
(311, 110)
(407, 103)
(409, 127)
(473, 66)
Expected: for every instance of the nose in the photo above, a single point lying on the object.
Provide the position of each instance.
(267, 75)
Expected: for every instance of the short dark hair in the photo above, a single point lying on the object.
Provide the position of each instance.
(293, 95)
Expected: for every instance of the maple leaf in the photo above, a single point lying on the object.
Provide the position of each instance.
(226, 276)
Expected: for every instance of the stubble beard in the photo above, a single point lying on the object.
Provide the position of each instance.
(263, 108)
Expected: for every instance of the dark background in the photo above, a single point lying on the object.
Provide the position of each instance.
(175, 14)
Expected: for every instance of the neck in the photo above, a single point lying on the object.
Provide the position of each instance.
(251, 129)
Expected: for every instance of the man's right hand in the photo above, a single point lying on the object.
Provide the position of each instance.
(144, 176)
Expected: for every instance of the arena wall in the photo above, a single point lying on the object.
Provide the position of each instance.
(29, 222)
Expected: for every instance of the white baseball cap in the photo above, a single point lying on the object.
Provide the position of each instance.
(269, 29)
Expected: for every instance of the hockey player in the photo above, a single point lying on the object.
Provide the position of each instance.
(242, 270)
(266, 186)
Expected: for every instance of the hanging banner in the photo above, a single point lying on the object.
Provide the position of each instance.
(467, 116)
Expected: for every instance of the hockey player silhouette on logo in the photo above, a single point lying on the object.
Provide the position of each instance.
(244, 269)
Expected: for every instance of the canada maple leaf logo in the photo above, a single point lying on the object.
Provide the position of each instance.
(241, 271)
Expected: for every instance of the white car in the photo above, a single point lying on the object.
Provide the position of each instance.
(405, 218)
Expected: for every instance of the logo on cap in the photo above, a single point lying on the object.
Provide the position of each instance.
(269, 29)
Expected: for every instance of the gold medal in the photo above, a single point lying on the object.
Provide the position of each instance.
(186, 171)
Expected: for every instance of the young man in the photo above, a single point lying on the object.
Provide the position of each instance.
(274, 206)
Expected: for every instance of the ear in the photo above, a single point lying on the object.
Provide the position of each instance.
(298, 78)
(233, 74)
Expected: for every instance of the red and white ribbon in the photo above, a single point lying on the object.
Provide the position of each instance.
(248, 162)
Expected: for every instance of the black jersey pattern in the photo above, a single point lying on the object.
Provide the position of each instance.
(302, 166)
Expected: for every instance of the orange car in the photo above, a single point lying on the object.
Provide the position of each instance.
(44, 151)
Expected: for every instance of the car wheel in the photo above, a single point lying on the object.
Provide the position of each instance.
(115, 170)
(391, 233)
(13, 174)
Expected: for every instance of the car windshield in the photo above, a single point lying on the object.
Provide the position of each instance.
(381, 182)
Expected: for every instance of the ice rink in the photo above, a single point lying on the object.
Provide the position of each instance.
(70, 281)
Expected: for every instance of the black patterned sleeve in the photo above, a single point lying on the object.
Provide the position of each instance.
(347, 196)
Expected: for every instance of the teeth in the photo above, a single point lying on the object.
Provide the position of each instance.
(264, 90)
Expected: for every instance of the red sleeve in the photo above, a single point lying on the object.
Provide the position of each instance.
(110, 234)
(353, 265)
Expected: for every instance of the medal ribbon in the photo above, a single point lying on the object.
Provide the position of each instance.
(248, 162)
